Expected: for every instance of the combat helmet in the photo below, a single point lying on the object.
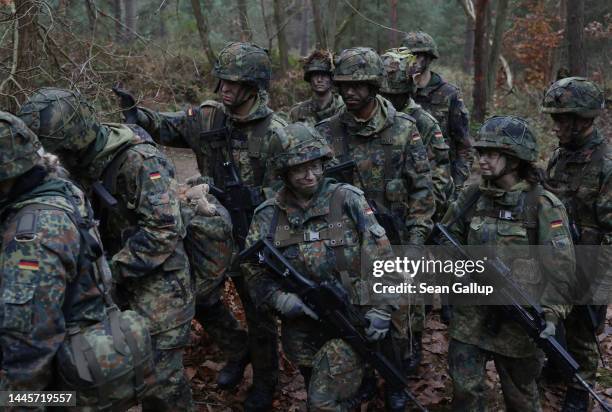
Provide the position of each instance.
(397, 63)
(510, 135)
(62, 119)
(20, 149)
(317, 61)
(359, 64)
(575, 95)
(304, 144)
(244, 62)
(421, 42)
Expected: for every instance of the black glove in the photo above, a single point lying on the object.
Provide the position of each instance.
(127, 103)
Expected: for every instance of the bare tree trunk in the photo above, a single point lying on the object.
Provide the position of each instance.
(115, 6)
(468, 47)
(305, 31)
(393, 22)
(130, 19)
(346, 23)
(480, 62)
(203, 31)
(319, 29)
(558, 54)
(246, 34)
(574, 35)
(279, 20)
(91, 13)
(162, 21)
(266, 25)
(500, 20)
(332, 25)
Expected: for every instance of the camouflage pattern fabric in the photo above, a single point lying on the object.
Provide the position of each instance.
(468, 324)
(467, 368)
(421, 42)
(470, 328)
(318, 61)
(301, 144)
(35, 271)
(575, 95)
(19, 147)
(582, 179)
(309, 112)
(303, 341)
(407, 191)
(444, 101)
(510, 135)
(243, 62)
(182, 129)
(359, 64)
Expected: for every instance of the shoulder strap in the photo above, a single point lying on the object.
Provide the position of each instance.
(255, 143)
(530, 213)
(467, 208)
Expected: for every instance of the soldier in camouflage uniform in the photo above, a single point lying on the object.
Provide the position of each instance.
(398, 88)
(308, 204)
(508, 198)
(580, 173)
(143, 232)
(323, 103)
(234, 134)
(39, 262)
(443, 100)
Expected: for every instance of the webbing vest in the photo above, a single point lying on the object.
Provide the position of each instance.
(220, 136)
(281, 234)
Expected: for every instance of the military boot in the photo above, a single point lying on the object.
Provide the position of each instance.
(231, 374)
(259, 397)
(411, 364)
(576, 400)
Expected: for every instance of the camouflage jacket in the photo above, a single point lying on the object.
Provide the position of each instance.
(318, 258)
(392, 162)
(478, 226)
(43, 289)
(145, 236)
(309, 112)
(444, 101)
(247, 137)
(437, 151)
(582, 179)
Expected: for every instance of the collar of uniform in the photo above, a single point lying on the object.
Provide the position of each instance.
(583, 153)
(434, 82)
(119, 135)
(506, 198)
(259, 110)
(330, 109)
(383, 118)
(410, 106)
(319, 205)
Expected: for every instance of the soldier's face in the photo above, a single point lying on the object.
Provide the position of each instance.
(421, 64)
(492, 163)
(356, 95)
(304, 179)
(569, 126)
(234, 94)
(320, 82)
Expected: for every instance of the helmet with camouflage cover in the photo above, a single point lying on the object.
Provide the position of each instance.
(317, 61)
(244, 62)
(575, 95)
(304, 144)
(397, 63)
(359, 64)
(20, 149)
(62, 119)
(421, 42)
(510, 135)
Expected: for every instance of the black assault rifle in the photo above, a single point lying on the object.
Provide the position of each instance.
(343, 172)
(239, 200)
(522, 309)
(332, 305)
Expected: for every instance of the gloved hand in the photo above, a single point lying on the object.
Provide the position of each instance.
(291, 306)
(380, 321)
(551, 325)
(127, 103)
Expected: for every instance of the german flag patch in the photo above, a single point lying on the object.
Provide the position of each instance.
(154, 176)
(556, 223)
(28, 264)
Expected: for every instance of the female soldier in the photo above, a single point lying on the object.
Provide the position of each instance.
(323, 228)
(508, 208)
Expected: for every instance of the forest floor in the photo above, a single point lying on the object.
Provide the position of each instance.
(433, 387)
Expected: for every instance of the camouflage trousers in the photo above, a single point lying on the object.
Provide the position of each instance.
(171, 391)
(408, 321)
(467, 367)
(221, 325)
(263, 338)
(581, 344)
